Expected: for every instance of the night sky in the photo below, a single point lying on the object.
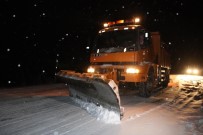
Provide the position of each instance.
(40, 37)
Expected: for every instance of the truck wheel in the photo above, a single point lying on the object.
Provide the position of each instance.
(145, 88)
(165, 83)
(166, 79)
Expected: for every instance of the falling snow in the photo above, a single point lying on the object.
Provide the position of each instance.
(34, 34)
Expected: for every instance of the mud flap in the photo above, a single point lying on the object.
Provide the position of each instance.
(92, 89)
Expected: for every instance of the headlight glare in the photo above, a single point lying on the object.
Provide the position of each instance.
(90, 70)
(195, 71)
(192, 71)
(132, 70)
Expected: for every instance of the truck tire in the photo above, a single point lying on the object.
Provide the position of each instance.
(165, 83)
(166, 78)
(145, 88)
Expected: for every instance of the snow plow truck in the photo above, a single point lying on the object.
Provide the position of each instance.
(124, 53)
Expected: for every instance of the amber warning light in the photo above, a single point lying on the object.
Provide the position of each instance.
(133, 21)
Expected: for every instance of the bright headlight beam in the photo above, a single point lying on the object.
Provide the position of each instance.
(90, 70)
(132, 70)
(192, 71)
(189, 71)
(195, 71)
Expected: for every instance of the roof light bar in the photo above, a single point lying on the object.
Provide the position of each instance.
(133, 21)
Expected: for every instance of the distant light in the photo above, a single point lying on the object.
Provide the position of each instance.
(189, 71)
(14, 16)
(126, 28)
(124, 50)
(192, 71)
(9, 82)
(116, 29)
(87, 47)
(195, 71)
(8, 49)
(19, 65)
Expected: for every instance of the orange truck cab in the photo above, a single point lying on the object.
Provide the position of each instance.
(129, 54)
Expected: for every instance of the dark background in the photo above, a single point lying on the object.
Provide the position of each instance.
(40, 37)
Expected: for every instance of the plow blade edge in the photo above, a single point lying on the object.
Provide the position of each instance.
(92, 89)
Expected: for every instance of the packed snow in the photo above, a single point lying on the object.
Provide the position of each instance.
(188, 104)
(99, 112)
(176, 110)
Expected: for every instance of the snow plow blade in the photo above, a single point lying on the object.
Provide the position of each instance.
(91, 88)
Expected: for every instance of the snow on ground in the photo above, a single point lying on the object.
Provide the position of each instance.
(188, 104)
(99, 112)
(176, 110)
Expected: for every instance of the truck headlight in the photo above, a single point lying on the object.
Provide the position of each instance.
(90, 70)
(132, 70)
(192, 71)
(189, 71)
(195, 71)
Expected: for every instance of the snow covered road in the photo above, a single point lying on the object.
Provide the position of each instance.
(173, 111)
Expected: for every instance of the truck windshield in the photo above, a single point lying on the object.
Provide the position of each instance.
(117, 41)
